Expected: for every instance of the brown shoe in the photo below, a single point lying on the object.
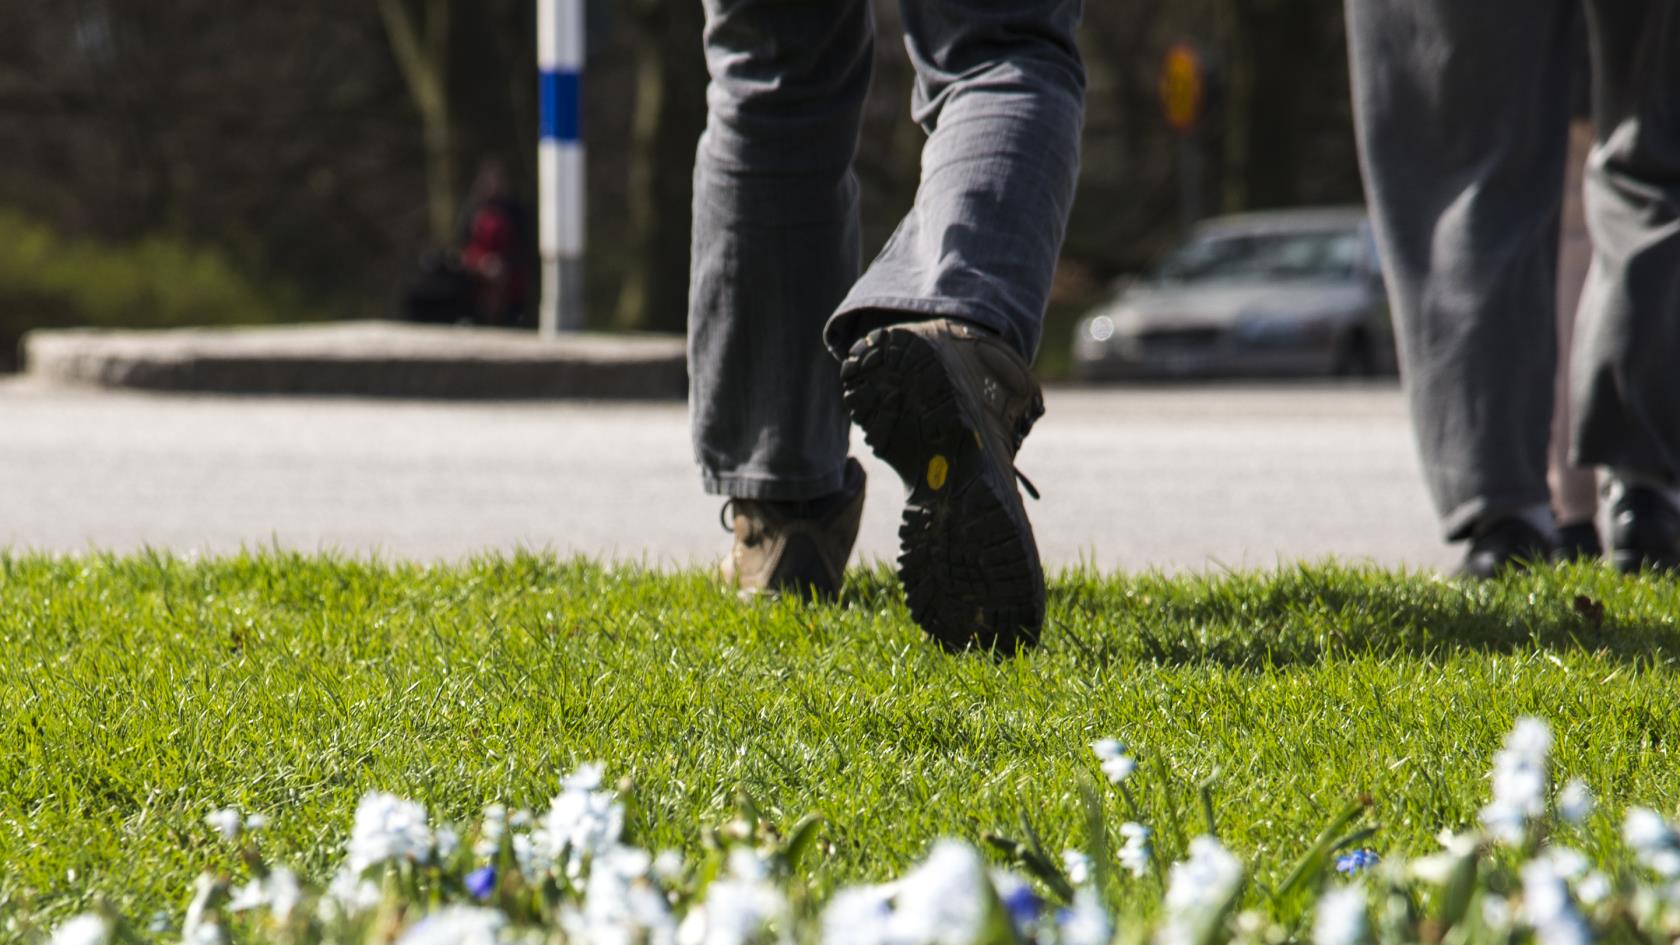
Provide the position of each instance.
(947, 405)
(795, 547)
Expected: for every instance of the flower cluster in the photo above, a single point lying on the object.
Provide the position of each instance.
(1116, 764)
(570, 876)
(1519, 781)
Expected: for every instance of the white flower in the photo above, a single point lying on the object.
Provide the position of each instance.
(195, 928)
(388, 828)
(745, 864)
(226, 822)
(1116, 765)
(1437, 867)
(581, 823)
(1206, 879)
(587, 777)
(1575, 802)
(1547, 908)
(456, 925)
(86, 929)
(861, 915)
(1077, 866)
(447, 841)
(349, 895)
(1593, 888)
(668, 866)
(737, 912)
(1341, 918)
(490, 832)
(1496, 912)
(621, 907)
(1197, 888)
(1653, 841)
(1567, 862)
(1087, 922)
(1519, 781)
(1134, 854)
(278, 892)
(945, 900)
(525, 854)
(230, 823)
(203, 933)
(1530, 737)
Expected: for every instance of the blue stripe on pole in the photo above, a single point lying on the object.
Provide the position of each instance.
(562, 106)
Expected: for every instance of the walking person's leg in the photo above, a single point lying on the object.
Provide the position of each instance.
(939, 331)
(1462, 115)
(1574, 488)
(775, 248)
(1627, 376)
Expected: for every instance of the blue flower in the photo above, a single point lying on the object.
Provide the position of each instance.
(1023, 905)
(482, 882)
(1357, 861)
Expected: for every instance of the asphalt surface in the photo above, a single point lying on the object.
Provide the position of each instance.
(1175, 478)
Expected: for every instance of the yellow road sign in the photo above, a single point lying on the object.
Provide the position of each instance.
(1183, 91)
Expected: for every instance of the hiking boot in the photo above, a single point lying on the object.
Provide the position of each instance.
(794, 547)
(947, 404)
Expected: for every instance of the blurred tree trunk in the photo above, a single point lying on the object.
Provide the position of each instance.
(670, 111)
(1277, 34)
(421, 47)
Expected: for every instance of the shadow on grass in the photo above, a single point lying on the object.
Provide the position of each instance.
(1307, 613)
(1310, 612)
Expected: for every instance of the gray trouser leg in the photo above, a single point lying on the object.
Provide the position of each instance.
(1462, 116)
(776, 242)
(1000, 90)
(1627, 372)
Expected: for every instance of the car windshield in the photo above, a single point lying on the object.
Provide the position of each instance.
(1321, 254)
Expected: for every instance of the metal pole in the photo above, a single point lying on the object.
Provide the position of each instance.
(560, 164)
(1189, 180)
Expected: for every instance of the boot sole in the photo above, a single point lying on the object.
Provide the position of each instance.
(969, 563)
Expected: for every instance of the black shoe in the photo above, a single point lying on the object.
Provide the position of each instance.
(1579, 542)
(1644, 531)
(1505, 545)
(947, 406)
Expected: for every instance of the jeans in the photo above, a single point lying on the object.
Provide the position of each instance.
(776, 295)
(1462, 110)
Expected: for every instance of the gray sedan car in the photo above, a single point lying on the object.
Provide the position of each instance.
(1279, 293)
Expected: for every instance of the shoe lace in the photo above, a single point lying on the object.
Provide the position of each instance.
(1023, 426)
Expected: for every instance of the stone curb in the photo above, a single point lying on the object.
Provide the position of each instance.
(364, 359)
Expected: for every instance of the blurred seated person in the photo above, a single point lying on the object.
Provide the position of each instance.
(494, 248)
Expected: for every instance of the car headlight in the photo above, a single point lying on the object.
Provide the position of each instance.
(1100, 328)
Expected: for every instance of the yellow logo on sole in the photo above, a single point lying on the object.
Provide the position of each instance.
(938, 469)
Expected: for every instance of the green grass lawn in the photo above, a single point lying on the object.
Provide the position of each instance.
(136, 694)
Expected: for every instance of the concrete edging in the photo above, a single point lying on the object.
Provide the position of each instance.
(363, 359)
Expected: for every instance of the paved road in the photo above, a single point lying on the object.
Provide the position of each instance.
(1172, 478)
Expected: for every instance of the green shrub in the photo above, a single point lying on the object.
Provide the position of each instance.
(50, 280)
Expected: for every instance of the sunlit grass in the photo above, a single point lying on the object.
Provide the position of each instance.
(138, 693)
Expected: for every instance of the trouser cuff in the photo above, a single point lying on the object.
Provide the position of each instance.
(858, 317)
(771, 488)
